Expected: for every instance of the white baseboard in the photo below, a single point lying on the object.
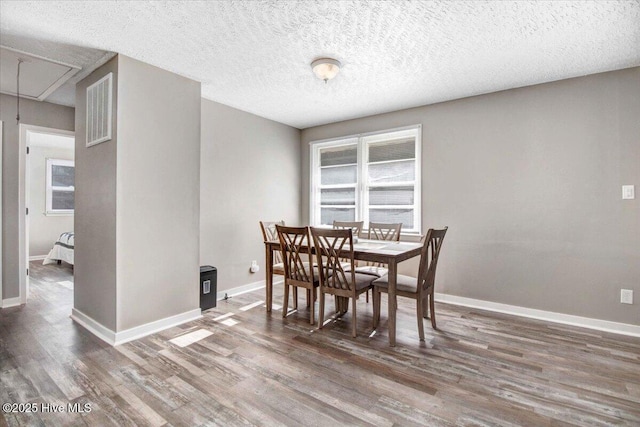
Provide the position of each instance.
(550, 316)
(117, 338)
(93, 326)
(10, 302)
(37, 257)
(156, 326)
(245, 288)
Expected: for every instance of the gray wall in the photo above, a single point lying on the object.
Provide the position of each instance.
(158, 194)
(44, 229)
(137, 199)
(95, 212)
(250, 171)
(529, 182)
(31, 113)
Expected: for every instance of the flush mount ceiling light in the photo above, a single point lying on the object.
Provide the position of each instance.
(326, 68)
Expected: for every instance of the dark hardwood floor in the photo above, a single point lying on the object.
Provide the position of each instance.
(479, 368)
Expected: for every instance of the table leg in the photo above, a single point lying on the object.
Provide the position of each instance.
(393, 275)
(269, 276)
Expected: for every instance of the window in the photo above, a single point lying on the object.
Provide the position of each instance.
(373, 177)
(60, 186)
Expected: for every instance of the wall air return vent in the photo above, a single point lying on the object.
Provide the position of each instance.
(99, 98)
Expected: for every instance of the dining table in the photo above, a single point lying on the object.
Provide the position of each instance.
(376, 251)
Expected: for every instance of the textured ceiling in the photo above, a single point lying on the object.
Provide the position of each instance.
(255, 56)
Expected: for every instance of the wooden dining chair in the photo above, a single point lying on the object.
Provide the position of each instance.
(356, 227)
(421, 288)
(269, 233)
(331, 247)
(298, 265)
(380, 231)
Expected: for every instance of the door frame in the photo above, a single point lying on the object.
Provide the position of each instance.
(23, 187)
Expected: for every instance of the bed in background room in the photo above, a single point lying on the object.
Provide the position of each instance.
(62, 249)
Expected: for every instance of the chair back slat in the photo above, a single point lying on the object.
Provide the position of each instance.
(384, 231)
(355, 226)
(269, 233)
(294, 245)
(333, 247)
(429, 257)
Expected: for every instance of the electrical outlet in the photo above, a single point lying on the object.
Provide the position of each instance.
(626, 296)
(254, 267)
(628, 192)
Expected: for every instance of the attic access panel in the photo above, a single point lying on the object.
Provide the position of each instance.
(39, 76)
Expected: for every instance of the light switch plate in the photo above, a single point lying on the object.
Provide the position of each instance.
(628, 192)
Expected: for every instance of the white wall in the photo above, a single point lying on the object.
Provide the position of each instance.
(250, 171)
(1, 219)
(44, 230)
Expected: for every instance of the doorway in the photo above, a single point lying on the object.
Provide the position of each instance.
(47, 199)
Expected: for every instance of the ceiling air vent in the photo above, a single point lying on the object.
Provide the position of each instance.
(99, 111)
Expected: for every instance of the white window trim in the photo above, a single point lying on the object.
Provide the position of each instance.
(49, 211)
(359, 139)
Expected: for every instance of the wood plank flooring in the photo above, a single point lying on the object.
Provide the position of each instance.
(479, 368)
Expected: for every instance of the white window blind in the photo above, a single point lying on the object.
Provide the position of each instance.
(338, 183)
(370, 178)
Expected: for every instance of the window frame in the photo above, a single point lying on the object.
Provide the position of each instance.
(362, 142)
(49, 188)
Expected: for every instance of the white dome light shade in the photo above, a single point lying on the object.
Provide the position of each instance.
(326, 68)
